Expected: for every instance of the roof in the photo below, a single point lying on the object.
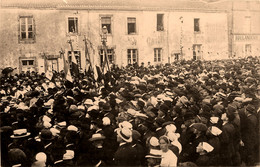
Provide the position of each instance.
(119, 4)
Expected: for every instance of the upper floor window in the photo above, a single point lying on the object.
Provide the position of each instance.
(26, 29)
(73, 25)
(131, 25)
(160, 26)
(157, 54)
(106, 21)
(196, 25)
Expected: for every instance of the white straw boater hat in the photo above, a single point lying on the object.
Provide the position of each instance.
(154, 154)
(97, 136)
(125, 134)
(19, 133)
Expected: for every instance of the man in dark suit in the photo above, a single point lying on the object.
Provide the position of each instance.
(226, 138)
(250, 136)
(125, 154)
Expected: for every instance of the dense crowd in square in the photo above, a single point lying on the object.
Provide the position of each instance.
(188, 113)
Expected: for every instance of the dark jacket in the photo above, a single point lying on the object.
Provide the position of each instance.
(227, 140)
(125, 155)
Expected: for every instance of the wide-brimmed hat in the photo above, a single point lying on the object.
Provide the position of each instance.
(125, 134)
(199, 126)
(215, 130)
(61, 125)
(154, 153)
(206, 146)
(97, 136)
(88, 102)
(125, 124)
(153, 141)
(19, 133)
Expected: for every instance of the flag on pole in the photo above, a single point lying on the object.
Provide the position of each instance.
(49, 74)
(66, 65)
(98, 74)
(66, 69)
(74, 65)
(87, 66)
(95, 73)
(69, 77)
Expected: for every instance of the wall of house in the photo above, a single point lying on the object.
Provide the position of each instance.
(246, 31)
(52, 35)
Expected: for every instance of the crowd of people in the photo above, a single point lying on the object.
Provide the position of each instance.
(188, 113)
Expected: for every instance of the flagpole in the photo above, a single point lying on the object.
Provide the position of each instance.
(87, 52)
(104, 39)
(73, 58)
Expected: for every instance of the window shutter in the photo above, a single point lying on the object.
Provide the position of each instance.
(34, 30)
(137, 57)
(18, 26)
(106, 20)
(113, 55)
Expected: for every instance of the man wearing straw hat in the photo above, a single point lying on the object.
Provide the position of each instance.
(125, 154)
(154, 158)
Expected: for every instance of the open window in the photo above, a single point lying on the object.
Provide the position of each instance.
(160, 26)
(73, 25)
(131, 25)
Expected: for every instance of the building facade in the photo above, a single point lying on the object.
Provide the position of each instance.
(35, 35)
(246, 29)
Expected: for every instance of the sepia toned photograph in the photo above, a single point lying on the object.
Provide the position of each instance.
(143, 83)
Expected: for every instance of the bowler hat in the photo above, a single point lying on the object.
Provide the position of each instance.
(107, 107)
(199, 126)
(250, 108)
(46, 135)
(188, 116)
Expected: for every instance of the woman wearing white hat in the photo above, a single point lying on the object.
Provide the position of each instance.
(169, 159)
(203, 149)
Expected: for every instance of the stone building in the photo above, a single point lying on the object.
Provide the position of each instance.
(246, 28)
(35, 34)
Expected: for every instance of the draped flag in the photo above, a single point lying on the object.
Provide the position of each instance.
(74, 65)
(66, 69)
(95, 73)
(69, 77)
(66, 65)
(49, 74)
(87, 66)
(98, 74)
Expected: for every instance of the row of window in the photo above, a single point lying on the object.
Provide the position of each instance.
(132, 57)
(27, 26)
(131, 24)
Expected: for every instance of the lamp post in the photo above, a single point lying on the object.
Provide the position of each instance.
(104, 40)
(181, 20)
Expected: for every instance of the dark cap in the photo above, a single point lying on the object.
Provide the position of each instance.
(250, 108)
